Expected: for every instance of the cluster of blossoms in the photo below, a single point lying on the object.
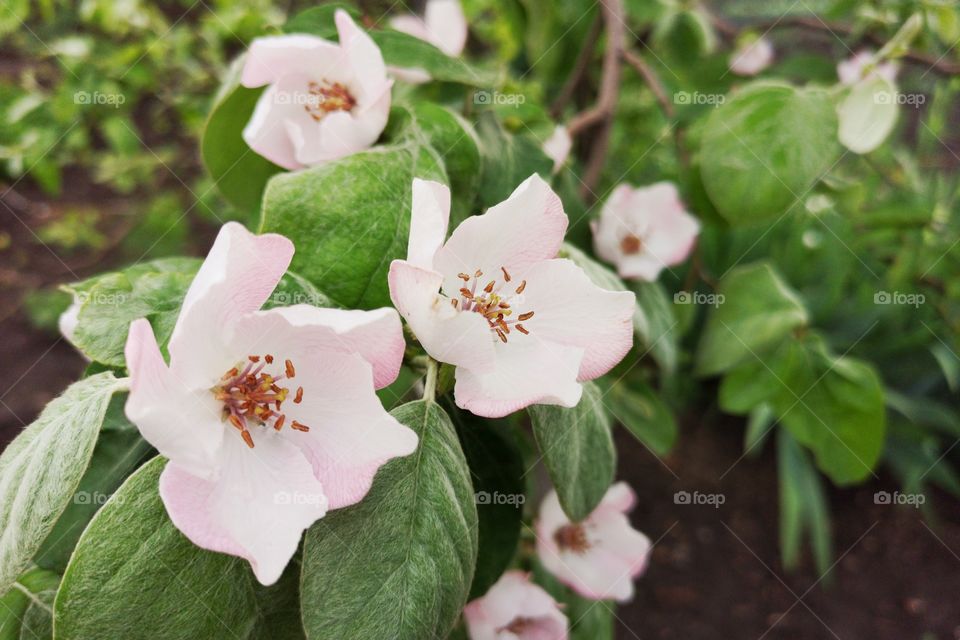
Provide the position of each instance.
(269, 418)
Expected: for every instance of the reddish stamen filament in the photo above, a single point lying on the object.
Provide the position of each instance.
(248, 396)
(489, 303)
(326, 97)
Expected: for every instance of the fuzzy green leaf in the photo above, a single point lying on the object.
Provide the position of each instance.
(577, 449)
(400, 563)
(41, 469)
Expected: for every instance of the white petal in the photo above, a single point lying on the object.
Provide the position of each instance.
(183, 426)
(448, 335)
(351, 435)
(446, 25)
(276, 110)
(557, 146)
(258, 508)
(528, 370)
(273, 57)
(363, 55)
(303, 331)
(569, 309)
(525, 228)
(429, 219)
(237, 277)
(341, 133)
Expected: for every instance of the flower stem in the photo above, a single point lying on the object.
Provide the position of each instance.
(430, 382)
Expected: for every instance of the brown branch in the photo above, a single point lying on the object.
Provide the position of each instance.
(579, 68)
(655, 85)
(613, 17)
(938, 64)
(602, 111)
(653, 81)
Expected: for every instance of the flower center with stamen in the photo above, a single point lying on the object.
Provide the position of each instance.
(325, 97)
(492, 303)
(631, 244)
(518, 625)
(572, 537)
(252, 397)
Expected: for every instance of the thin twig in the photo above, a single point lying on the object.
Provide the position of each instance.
(610, 74)
(579, 68)
(938, 64)
(613, 20)
(653, 81)
(655, 85)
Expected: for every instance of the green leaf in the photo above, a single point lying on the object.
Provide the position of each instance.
(660, 339)
(803, 506)
(319, 20)
(349, 219)
(758, 430)
(41, 468)
(765, 148)
(110, 302)
(398, 49)
(25, 608)
(239, 172)
(641, 411)
(400, 563)
(119, 451)
(497, 471)
(577, 449)
(750, 384)
(454, 139)
(757, 311)
(134, 575)
(835, 407)
(508, 159)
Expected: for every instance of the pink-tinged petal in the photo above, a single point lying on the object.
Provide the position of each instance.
(854, 68)
(412, 75)
(267, 132)
(514, 607)
(615, 552)
(289, 332)
(641, 266)
(181, 425)
(529, 370)
(362, 53)
(351, 435)
(237, 277)
(557, 146)
(446, 26)
(644, 230)
(273, 57)
(341, 133)
(619, 497)
(752, 57)
(525, 228)
(257, 509)
(448, 335)
(569, 309)
(411, 25)
(429, 218)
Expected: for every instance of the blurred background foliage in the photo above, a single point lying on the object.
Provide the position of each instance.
(102, 104)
